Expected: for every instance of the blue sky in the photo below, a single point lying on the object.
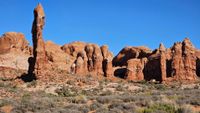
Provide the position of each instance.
(117, 23)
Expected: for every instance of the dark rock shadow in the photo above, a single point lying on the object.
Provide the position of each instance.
(30, 76)
(152, 70)
(169, 68)
(120, 73)
(198, 67)
(27, 77)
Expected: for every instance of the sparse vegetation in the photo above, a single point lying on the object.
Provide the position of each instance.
(103, 97)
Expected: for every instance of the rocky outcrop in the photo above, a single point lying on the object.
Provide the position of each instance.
(181, 62)
(184, 61)
(14, 55)
(12, 41)
(107, 61)
(163, 60)
(59, 60)
(39, 52)
(130, 52)
(89, 58)
(135, 69)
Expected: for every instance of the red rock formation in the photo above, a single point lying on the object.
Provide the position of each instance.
(135, 69)
(180, 62)
(79, 64)
(98, 60)
(13, 41)
(163, 62)
(90, 51)
(184, 61)
(59, 60)
(91, 55)
(107, 61)
(130, 52)
(14, 55)
(39, 53)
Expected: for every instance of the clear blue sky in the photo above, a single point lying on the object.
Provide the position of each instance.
(117, 23)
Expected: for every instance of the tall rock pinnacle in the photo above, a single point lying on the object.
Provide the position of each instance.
(39, 53)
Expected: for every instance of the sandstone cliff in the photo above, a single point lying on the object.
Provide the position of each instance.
(46, 60)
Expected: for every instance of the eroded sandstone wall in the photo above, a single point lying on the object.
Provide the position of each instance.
(181, 62)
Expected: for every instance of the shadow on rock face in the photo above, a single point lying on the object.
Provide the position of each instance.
(152, 70)
(30, 76)
(120, 72)
(198, 67)
(27, 77)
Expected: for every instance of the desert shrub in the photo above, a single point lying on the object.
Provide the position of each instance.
(32, 83)
(91, 92)
(71, 82)
(128, 98)
(102, 110)
(120, 88)
(80, 99)
(77, 108)
(107, 99)
(122, 106)
(195, 102)
(5, 85)
(66, 91)
(158, 108)
(139, 100)
(95, 105)
(104, 99)
(105, 93)
(185, 109)
(84, 108)
(29, 103)
(161, 87)
(4, 102)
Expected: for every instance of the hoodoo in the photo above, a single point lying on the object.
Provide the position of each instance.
(39, 54)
